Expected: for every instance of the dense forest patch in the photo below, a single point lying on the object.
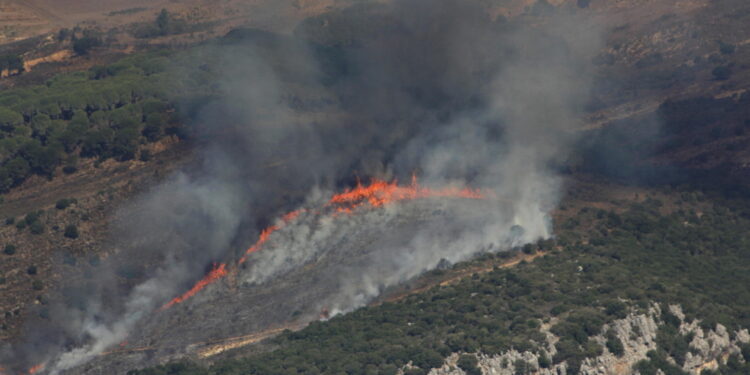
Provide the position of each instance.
(106, 112)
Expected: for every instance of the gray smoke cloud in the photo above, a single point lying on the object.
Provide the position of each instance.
(435, 88)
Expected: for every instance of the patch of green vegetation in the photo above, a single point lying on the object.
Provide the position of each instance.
(31, 220)
(165, 24)
(469, 364)
(127, 11)
(11, 62)
(722, 73)
(106, 112)
(630, 260)
(37, 285)
(71, 231)
(10, 249)
(65, 203)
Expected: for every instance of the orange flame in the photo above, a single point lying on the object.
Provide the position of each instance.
(381, 192)
(216, 273)
(378, 193)
(291, 216)
(264, 234)
(36, 369)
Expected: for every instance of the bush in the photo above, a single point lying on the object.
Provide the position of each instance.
(36, 227)
(722, 73)
(544, 361)
(10, 249)
(726, 48)
(521, 367)
(31, 270)
(11, 62)
(37, 285)
(528, 249)
(64, 203)
(469, 364)
(10, 221)
(614, 345)
(145, 155)
(83, 45)
(71, 231)
(428, 359)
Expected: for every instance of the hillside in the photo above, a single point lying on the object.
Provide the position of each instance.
(168, 147)
(639, 286)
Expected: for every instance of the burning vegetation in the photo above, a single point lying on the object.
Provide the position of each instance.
(495, 112)
(217, 272)
(377, 193)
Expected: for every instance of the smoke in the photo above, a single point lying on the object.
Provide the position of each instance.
(435, 88)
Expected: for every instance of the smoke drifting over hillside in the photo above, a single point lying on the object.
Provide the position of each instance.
(434, 88)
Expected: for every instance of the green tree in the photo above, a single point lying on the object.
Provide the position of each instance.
(614, 344)
(84, 45)
(64, 203)
(10, 249)
(36, 227)
(17, 169)
(71, 231)
(722, 73)
(163, 21)
(9, 119)
(469, 364)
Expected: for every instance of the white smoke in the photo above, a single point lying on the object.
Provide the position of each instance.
(458, 98)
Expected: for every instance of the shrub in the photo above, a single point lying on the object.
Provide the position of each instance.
(726, 48)
(31, 270)
(521, 367)
(36, 227)
(10, 249)
(37, 285)
(528, 248)
(722, 73)
(428, 359)
(10, 221)
(71, 231)
(83, 45)
(469, 364)
(145, 155)
(64, 203)
(544, 361)
(614, 345)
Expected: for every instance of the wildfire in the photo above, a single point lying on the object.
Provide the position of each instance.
(378, 193)
(218, 271)
(36, 369)
(264, 235)
(381, 192)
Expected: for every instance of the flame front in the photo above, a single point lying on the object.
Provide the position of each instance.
(381, 192)
(378, 193)
(36, 369)
(264, 235)
(217, 272)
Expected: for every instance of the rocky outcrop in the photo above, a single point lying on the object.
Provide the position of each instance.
(637, 332)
